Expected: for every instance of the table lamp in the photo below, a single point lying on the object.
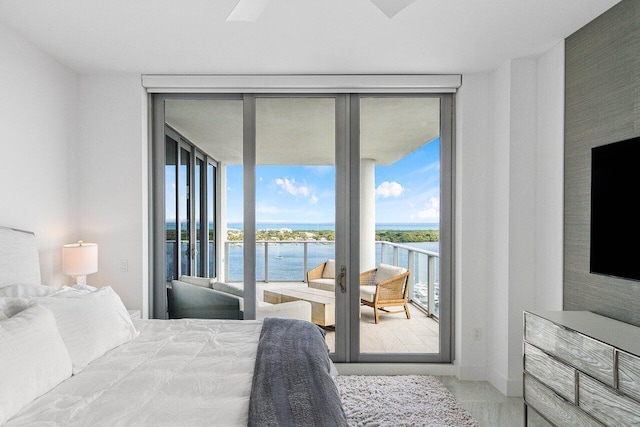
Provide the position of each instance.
(80, 259)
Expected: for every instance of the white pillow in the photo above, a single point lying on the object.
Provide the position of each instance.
(33, 359)
(28, 291)
(90, 323)
(386, 272)
(329, 271)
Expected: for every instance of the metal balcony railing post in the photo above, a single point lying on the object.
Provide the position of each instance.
(432, 285)
(226, 261)
(306, 262)
(395, 256)
(266, 262)
(412, 274)
(383, 252)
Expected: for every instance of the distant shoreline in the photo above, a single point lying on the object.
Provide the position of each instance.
(299, 226)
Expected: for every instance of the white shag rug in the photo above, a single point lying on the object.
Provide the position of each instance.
(400, 400)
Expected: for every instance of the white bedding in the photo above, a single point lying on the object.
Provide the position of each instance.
(176, 372)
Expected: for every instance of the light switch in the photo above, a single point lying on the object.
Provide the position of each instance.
(124, 265)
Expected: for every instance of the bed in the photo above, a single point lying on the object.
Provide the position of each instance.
(72, 356)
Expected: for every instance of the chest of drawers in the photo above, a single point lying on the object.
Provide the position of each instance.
(581, 369)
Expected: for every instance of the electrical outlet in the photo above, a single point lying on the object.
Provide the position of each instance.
(124, 265)
(477, 334)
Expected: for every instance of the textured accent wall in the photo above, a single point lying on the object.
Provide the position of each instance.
(602, 106)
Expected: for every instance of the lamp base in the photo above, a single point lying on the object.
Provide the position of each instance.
(81, 280)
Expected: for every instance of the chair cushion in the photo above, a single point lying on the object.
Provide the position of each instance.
(367, 293)
(324, 284)
(204, 282)
(233, 289)
(386, 272)
(329, 271)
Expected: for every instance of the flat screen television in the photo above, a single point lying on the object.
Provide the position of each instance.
(615, 217)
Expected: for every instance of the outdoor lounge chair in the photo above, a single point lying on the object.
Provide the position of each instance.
(323, 276)
(385, 286)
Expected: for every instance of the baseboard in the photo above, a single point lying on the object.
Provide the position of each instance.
(510, 388)
(396, 369)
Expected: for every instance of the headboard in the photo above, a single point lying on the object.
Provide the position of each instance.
(19, 261)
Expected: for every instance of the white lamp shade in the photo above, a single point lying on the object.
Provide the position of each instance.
(79, 259)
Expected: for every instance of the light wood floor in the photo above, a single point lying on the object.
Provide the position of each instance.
(486, 404)
(394, 334)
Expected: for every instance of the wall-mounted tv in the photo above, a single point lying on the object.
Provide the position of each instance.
(615, 217)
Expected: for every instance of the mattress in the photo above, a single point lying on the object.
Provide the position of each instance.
(177, 372)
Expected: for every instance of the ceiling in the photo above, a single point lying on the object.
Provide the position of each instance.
(301, 131)
(295, 36)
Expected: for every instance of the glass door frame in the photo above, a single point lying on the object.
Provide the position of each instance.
(158, 305)
(347, 163)
(447, 173)
(342, 203)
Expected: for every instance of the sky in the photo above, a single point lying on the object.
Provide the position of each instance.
(407, 191)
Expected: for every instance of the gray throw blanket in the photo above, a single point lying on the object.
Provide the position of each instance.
(291, 381)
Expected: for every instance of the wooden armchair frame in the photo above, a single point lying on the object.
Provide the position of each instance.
(316, 272)
(393, 292)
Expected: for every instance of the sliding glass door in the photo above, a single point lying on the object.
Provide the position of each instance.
(295, 211)
(340, 200)
(405, 165)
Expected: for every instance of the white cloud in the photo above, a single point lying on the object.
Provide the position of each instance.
(292, 187)
(389, 189)
(431, 211)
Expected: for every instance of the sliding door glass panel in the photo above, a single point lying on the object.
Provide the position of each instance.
(184, 211)
(295, 207)
(170, 192)
(200, 239)
(211, 219)
(210, 142)
(234, 245)
(399, 224)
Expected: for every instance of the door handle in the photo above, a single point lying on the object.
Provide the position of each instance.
(343, 273)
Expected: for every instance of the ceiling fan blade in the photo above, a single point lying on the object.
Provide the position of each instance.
(247, 10)
(391, 7)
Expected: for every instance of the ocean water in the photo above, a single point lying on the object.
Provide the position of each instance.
(285, 261)
(331, 226)
(171, 225)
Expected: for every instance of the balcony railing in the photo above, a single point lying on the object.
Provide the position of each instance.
(289, 261)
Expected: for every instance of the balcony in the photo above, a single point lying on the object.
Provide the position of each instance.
(284, 263)
(288, 262)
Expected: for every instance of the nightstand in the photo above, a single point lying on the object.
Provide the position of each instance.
(134, 314)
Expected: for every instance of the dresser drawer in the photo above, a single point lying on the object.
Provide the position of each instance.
(553, 407)
(606, 404)
(535, 420)
(629, 374)
(587, 354)
(554, 374)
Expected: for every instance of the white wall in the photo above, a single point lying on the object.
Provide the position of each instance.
(522, 191)
(550, 180)
(38, 106)
(509, 258)
(113, 182)
(498, 247)
(472, 219)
